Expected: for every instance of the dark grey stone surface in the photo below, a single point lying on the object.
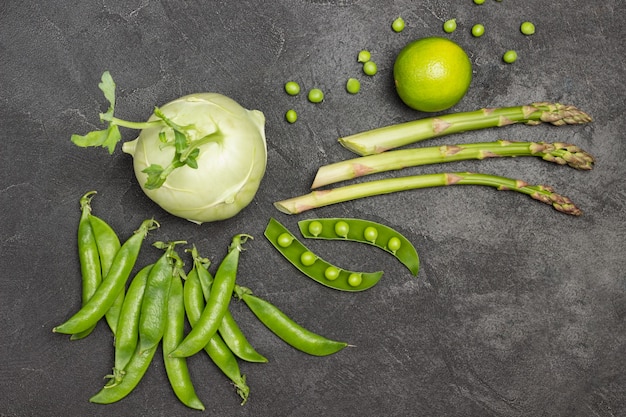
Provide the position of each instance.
(518, 310)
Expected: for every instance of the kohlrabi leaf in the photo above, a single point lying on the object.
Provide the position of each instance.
(107, 85)
(107, 138)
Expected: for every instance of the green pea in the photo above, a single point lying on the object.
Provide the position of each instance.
(527, 28)
(364, 56)
(342, 229)
(291, 116)
(398, 25)
(308, 258)
(370, 68)
(315, 228)
(316, 95)
(478, 30)
(292, 88)
(284, 240)
(394, 244)
(353, 86)
(510, 56)
(449, 26)
(370, 234)
(479, 1)
(331, 273)
(355, 279)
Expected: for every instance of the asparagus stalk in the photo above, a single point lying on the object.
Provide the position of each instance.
(389, 137)
(559, 153)
(316, 199)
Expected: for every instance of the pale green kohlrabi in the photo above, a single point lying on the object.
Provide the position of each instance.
(200, 157)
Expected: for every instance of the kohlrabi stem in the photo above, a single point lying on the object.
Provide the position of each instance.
(317, 199)
(389, 137)
(133, 125)
(559, 153)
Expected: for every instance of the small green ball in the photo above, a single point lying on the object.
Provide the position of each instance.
(394, 244)
(315, 228)
(398, 25)
(353, 86)
(527, 28)
(509, 56)
(355, 279)
(292, 88)
(291, 116)
(478, 30)
(479, 1)
(316, 95)
(364, 56)
(449, 26)
(370, 234)
(370, 68)
(342, 228)
(284, 240)
(308, 258)
(331, 273)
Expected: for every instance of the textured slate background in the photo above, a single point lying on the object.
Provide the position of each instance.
(518, 310)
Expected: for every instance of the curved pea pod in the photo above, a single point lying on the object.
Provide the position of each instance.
(315, 267)
(364, 231)
(286, 328)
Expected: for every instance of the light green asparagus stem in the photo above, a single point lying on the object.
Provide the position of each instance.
(559, 153)
(317, 199)
(389, 137)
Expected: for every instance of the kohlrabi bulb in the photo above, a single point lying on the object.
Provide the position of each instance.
(230, 164)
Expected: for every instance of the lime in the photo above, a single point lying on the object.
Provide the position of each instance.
(432, 74)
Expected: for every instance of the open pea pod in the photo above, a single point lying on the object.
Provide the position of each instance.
(365, 231)
(315, 267)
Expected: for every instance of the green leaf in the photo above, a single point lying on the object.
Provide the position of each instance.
(180, 141)
(191, 162)
(107, 85)
(154, 180)
(113, 136)
(107, 138)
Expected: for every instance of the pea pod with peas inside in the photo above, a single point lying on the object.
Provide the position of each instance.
(286, 328)
(111, 285)
(315, 267)
(365, 231)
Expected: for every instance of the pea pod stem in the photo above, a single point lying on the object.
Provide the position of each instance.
(217, 304)
(323, 198)
(557, 152)
(112, 284)
(394, 136)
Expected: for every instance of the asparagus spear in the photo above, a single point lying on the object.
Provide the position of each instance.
(317, 199)
(389, 137)
(560, 153)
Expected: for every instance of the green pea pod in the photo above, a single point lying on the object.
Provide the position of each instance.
(88, 257)
(287, 329)
(217, 304)
(105, 295)
(108, 244)
(128, 325)
(364, 231)
(217, 350)
(229, 329)
(176, 368)
(152, 319)
(135, 371)
(315, 267)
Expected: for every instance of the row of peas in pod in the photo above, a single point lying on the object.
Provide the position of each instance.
(349, 229)
(150, 308)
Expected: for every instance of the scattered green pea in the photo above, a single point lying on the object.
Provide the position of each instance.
(342, 229)
(479, 1)
(364, 56)
(478, 30)
(292, 88)
(527, 28)
(316, 95)
(510, 56)
(315, 228)
(449, 26)
(398, 25)
(291, 116)
(355, 279)
(370, 234)
(331, 273)
(370, 68)
(308, 258)
(284, 240)
(353, 86)
(394, 244)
